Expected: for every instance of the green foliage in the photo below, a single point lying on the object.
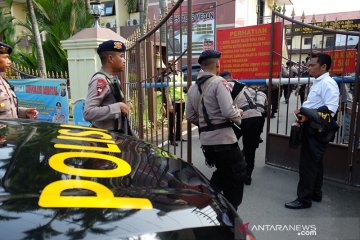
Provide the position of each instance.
(26, 59)
(132, 5)
(7, 30)
(59, 19)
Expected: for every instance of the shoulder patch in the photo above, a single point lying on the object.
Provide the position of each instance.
(226, 84)
(100, 86)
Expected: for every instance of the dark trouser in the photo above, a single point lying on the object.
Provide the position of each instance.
(311, 166)
(287, 91)
(274, 101)
(251, 129)
(230, 170)
(302, 93)
(178, 114)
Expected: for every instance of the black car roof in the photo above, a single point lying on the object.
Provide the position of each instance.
(194, 65)
(62, 180)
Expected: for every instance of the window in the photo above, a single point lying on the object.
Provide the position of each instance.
(289, 41)
(108, 8)
(330, 42)
(307, 41)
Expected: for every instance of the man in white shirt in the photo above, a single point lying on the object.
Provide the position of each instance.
(324, 99)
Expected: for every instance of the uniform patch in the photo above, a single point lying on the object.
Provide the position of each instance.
(226, 84)
(117, 45)
(100, 86)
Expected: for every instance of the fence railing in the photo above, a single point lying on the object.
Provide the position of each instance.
(341, 159)
(156, 56)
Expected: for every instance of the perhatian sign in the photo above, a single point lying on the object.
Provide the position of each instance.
(246, 51)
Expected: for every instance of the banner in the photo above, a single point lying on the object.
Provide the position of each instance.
(346, 25)
(78, 113)
(203, 30)
(48, 96)
(246, 51)
(342, 63)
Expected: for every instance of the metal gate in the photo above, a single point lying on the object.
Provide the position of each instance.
(342, 157)
(152, 53)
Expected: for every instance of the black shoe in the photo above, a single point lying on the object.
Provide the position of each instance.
(316, 198)
(260, 140)
(297, 204)
(272, 116)
(173, 143)
(247, 180)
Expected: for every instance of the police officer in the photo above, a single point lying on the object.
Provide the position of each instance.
(324, 99)
(175, 98)
(8, 100)
(58, 116)
(253, 102)
(210, 107)
(104, 105)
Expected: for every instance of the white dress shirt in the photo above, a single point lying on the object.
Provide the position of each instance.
(323, 92)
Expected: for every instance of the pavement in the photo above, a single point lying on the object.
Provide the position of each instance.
(337, 217)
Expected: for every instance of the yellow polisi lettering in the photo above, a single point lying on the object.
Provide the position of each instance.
(85, 133)
(51, 196)
(109, 148)
(57, 162)
(85, 139)
(83, 127)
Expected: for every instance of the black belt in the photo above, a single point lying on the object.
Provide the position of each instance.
(215, 127)
(247, 107)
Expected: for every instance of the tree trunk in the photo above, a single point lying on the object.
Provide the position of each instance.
(162, 4)
(87, 5)
(37, 38)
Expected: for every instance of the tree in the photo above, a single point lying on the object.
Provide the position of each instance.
(6, 27)
(87, 5)
(132, 5)
(36, 33)
(57, 23)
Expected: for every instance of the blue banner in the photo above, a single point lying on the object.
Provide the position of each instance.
(78, 112)
(48, 96)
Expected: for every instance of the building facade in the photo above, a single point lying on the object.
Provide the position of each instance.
(304, 40)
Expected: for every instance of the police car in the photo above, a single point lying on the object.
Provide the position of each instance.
(75, 182)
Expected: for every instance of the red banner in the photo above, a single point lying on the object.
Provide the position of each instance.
(246, 51)
(340, 63)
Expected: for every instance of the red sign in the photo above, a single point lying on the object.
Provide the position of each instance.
(246, 51)
(340, 63)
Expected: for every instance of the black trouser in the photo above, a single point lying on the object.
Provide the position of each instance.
(287, 91)
(302, 89)
(230, 170)
(178, 114)
(311, 165)
(251, 130)
(302, 93)
(274, 101)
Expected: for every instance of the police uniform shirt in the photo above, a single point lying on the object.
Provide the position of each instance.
(101, 107)
(9, 102)
(58, 118)
(220, 108)
(323, 92)
(242, 102)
